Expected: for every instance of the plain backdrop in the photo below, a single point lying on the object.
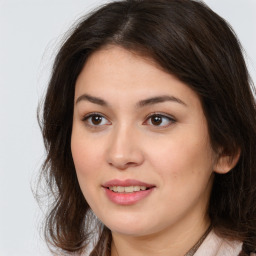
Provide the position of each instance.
(30, 33)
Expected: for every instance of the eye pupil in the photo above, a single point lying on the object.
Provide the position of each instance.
(96, 119)
(156, 120)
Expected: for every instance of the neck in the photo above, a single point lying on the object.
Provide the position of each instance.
(175, 242)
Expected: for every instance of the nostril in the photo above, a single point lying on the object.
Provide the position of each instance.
(123, 160)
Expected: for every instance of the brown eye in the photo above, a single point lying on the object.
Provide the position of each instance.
(94, 120)
(159, 120)
(156, 120)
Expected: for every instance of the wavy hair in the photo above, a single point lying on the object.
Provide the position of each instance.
(187, 39)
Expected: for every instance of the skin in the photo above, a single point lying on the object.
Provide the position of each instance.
(175, 155)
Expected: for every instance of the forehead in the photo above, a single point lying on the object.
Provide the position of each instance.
(116, 72)
(113, 60)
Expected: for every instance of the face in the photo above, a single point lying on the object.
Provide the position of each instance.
(140, 145)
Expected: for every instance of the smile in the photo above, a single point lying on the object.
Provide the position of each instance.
(127, 192)
(130, 189)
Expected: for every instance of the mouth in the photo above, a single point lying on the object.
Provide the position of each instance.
(129, 189)
(127, 192)
(127, 186)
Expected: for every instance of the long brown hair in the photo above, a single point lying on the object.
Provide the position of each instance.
(190, 41)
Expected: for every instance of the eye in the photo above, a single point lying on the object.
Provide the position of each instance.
(96, 119)
(159, 120)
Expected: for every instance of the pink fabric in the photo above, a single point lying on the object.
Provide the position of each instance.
(216, 246)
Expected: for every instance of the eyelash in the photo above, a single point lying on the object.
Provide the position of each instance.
(171, 120)
(89, 123)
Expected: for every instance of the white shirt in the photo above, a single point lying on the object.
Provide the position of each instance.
(214, 245)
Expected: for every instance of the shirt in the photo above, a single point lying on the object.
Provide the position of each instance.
(214, 245)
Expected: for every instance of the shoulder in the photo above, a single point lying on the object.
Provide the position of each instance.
(214, 245)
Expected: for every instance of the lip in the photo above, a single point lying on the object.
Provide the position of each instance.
(126, 183)
(127, 198)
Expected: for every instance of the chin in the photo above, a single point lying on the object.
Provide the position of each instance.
(129, 231)
(131, 228)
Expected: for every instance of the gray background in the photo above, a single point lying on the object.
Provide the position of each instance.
(30, 32)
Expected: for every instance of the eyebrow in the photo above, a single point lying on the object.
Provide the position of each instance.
(142, 103)
(92, 99)
(160, 99)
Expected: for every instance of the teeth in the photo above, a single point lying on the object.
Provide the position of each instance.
(120, 189)
(129, 189)
(136, 188)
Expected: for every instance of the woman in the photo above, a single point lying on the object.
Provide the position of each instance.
(150, 128)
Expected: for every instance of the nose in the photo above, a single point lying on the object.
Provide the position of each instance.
(125, 149)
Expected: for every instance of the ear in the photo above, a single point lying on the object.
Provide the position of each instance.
(225, 162)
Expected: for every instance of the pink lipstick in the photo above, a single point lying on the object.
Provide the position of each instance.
(127, 192)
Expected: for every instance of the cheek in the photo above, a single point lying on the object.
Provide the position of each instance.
(86, 161)
(186, 174)
(86, 154)
(183, 159)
